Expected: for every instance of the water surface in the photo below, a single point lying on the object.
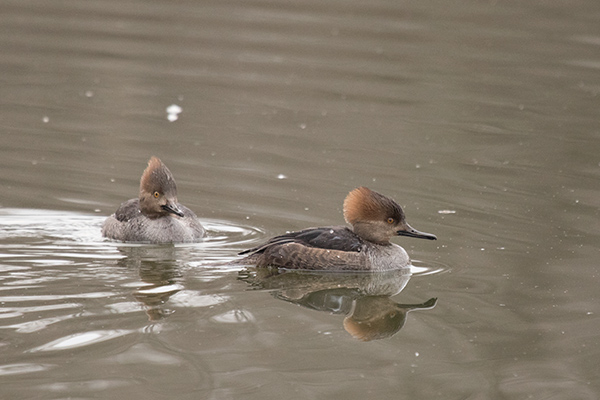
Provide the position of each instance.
(479, 118)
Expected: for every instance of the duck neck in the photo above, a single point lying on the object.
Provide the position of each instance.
(368, 232)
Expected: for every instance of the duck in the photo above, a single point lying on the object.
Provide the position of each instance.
(363, 246)
(155, 216)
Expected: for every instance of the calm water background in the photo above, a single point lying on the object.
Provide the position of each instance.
(480, 118)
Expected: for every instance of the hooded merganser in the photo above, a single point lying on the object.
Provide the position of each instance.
(156, 216)
(374, 217)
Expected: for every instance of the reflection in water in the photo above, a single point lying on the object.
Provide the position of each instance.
(157, 266)
(378, 317)
(364, 298)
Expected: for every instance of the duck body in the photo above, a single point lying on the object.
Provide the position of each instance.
(129, 224)
(335, 248)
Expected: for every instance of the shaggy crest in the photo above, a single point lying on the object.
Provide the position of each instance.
(364, 204)
(157, 177)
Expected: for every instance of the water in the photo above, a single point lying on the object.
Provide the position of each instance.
(480, 118)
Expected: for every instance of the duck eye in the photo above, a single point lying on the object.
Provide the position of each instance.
(156, 194)
(390, 220)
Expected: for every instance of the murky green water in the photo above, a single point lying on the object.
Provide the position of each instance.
(481, 119)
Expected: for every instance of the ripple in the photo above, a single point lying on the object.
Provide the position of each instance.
(161, 289)
(91, 295)
(190, 298)
(81, 339)
(23, 368)
(38, 324)
(234, 317)
(423, 268)
(28, 223)
(34, 223)
(40, 308)
(143, 353)
(94, 386)
(224, 232)
(47, 239)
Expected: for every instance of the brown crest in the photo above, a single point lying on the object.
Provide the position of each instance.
(364, 204)
(157, 177)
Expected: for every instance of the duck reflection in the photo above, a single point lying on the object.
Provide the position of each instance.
(158, 269)
(364, 298)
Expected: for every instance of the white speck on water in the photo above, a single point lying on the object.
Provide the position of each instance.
(416, 354)
(281, 176)
(306, 208)
(446, 211)
(45, 119)
(173, 112)
(112, 180)
(302, 126)
(89, 93)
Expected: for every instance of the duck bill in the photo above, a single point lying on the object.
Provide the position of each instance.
(409, 231)
(173, 209)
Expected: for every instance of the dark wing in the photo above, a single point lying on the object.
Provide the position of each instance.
(128, 210)
(331, 237)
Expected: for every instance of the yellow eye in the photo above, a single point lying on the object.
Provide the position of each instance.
(390, 220)
(156, 194)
